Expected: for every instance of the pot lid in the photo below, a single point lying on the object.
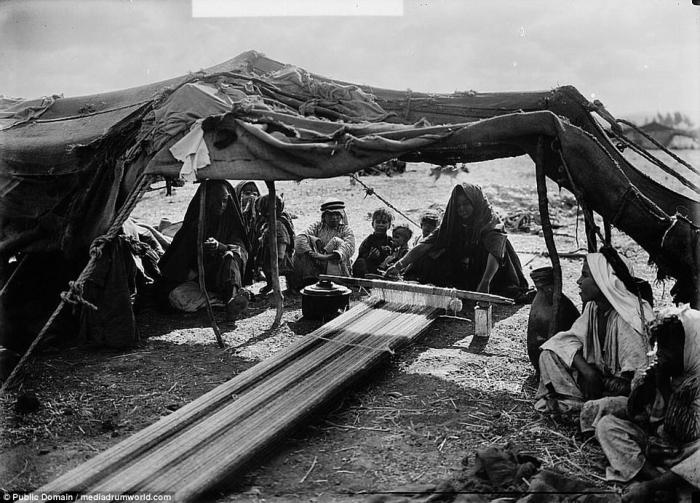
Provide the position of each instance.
(326, 288)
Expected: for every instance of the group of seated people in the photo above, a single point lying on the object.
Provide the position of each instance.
(467, 248)
(628, 375)
(632, 378)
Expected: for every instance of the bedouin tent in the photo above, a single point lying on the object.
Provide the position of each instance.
(72, 168)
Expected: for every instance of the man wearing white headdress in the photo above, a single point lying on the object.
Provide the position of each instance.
(604, 348)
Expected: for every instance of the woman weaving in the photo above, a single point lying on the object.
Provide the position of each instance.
(469, 250)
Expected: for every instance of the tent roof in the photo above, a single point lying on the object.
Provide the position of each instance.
(253, 117)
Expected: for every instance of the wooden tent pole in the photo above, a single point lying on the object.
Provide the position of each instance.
(200, 264)
(548, 233)
(274, 263)
(608, 231)
(591, 229)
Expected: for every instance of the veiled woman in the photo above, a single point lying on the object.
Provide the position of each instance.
(469, 250)
(247, 192)
(226, 250)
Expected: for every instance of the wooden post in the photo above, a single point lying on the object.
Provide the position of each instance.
(608, 231)
(483, 320)
(548, 234)
(591, 229)
(200, 264)
(274, 264)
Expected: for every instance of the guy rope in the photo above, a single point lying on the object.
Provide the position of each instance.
(74, 294)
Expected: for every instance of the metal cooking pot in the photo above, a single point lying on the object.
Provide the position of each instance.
(324, 300)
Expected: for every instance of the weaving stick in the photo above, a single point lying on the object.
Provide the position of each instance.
(422, 289)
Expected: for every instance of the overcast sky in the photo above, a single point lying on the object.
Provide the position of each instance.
(633, 55)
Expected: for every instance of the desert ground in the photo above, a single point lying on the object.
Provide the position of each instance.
(412, 422)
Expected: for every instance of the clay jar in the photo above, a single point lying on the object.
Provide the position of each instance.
(541, 313)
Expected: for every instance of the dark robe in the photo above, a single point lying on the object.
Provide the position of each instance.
(224, 269)
(285, 228)
(366, 264)
(458, 253)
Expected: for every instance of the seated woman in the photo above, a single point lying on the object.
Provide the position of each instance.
(603, 349)
(469, 250)
(247, 192)
(225, 257)
(284, 237)
(325, 247)
(655, 437)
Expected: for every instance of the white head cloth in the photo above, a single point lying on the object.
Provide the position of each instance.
(623, 301)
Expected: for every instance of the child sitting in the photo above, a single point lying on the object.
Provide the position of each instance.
(429, 221)
(400, 237)
(376, 247)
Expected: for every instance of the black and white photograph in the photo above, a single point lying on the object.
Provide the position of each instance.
(350, 251)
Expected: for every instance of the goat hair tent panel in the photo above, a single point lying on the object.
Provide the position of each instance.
(67, 165)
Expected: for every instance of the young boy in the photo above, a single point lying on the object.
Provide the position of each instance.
(400, 237)
(429, 221)
(376, 247)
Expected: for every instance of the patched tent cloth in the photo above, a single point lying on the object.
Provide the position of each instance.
(68, 164)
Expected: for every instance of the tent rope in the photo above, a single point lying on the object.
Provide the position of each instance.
(587, 213)
(588, 216)
(657, 162)
(75, 288)
(658, 144)
(74, 294)
(369, 191)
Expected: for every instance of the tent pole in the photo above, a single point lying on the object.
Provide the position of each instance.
(608, 231)
(548, 234)
(200, 264)
(274, 263)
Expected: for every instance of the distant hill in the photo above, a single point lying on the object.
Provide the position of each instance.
(641, 118)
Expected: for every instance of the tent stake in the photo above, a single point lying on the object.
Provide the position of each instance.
(200, 265)
(548, 234)
(274, 263)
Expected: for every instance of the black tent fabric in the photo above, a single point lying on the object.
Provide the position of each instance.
(67, 165)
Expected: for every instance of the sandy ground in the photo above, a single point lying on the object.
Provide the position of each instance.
(411, 422)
